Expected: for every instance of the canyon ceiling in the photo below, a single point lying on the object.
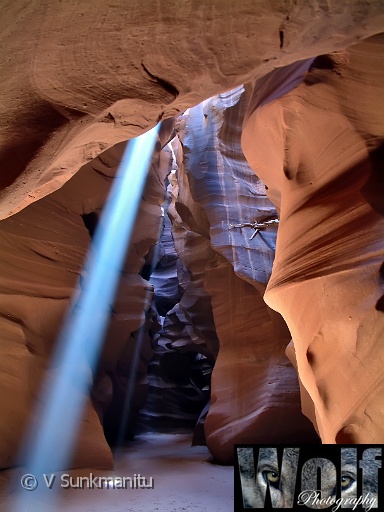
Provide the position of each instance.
(275, 114)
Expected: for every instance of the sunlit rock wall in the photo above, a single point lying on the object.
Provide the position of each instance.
(319, 148)
(255, 392)
(42, 251)
(190, 325)
(99, 73)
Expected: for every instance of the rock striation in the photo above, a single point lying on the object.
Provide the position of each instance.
(50, 238)
(178, 375)
(99, 74)
(255, 392)
(318, 147)
(79, 80)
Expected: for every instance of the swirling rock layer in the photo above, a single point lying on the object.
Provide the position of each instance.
(99, 73)
(327, 277)
(42, 252)
(255, 393)
(78, 79)
(178, 376)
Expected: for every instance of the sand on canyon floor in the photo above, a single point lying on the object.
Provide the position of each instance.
(183, 480)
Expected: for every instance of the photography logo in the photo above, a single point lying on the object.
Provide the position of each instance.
(334, 477)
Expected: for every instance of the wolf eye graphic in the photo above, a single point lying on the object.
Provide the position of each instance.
(346, 482)
(271, 477)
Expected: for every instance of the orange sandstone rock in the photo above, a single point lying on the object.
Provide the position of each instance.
(42, 251)
(319, 150)
(78, 78)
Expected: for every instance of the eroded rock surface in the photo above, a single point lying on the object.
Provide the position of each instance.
(178, 375)
(255, 393)
(78, 79)
(319, 150)
(42, 252)
(97, 74)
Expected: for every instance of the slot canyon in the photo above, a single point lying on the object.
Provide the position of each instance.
(250, 302)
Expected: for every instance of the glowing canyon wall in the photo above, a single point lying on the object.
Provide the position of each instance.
(42, 252)
(79, 80)
(326, 138)
(254, 393)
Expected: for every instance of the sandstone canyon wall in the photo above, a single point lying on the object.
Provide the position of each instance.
(319, 150)
(78, 81)
(42, 253)
(78, 78)
(179, 373)
(254, 393)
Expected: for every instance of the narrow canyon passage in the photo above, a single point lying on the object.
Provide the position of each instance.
(250, 301)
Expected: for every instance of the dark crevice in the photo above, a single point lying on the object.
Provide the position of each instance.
(381, 272)
(146, 271)
(281, 35)
(380, 304)
(90, 222)
(374, 187)
(26, 135)
(110, 116)
(171, 89)
(322, 62)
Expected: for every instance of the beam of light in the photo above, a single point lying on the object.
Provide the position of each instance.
(136, 357)
(64, 396)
